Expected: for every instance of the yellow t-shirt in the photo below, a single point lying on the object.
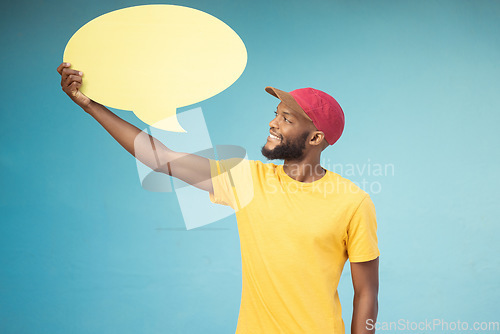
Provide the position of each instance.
(295, 238)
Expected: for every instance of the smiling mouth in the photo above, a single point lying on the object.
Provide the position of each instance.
(273, 137)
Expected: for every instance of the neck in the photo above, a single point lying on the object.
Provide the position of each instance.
(306, 170)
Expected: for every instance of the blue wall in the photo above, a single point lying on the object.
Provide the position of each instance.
(85, 249)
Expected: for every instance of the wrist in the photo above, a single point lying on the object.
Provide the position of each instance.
(90, 107)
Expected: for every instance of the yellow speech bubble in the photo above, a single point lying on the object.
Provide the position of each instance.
(153, 59)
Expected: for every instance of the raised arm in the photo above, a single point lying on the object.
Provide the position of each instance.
(189, 168)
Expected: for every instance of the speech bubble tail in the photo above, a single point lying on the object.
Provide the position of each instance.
(164, 120)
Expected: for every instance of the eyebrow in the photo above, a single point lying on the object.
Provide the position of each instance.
(286, 112)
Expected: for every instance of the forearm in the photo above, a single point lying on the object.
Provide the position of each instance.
(141, 145)
(364, 315)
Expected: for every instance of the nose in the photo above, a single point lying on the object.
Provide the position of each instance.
(273, 123)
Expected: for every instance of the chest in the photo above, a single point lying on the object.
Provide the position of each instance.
(293, 217)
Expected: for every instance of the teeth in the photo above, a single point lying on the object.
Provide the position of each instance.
(273, 136)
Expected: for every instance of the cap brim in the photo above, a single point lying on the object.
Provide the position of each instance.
(287, 99)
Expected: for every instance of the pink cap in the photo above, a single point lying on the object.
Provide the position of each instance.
(323, 110)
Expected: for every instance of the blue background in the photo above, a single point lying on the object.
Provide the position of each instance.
(85, 249)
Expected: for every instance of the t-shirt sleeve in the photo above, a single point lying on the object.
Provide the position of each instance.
(231, 182)
(362, 242)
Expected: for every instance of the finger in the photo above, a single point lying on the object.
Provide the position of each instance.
(76, 78)
(71, 79)
(67, 78)
(62, 66)
(73, 88)
(67, 72)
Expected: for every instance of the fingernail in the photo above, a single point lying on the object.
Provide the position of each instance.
(80, 73)
(67, 64)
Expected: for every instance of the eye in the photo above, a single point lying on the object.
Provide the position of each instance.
(286, 119)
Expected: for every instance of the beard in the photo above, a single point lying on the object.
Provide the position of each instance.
(287, 150)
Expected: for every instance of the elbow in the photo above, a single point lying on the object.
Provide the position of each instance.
(162, 164)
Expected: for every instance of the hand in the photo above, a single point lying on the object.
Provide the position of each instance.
(71, 81)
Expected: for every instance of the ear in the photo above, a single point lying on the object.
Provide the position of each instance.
(318, 138)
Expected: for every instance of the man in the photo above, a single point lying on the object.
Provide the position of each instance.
(298, 222)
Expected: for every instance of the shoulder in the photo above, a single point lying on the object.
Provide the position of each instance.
(348, 189)
(264, 165)
(241, 167)
(263, 170)
(242, 164)
(347, 185)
